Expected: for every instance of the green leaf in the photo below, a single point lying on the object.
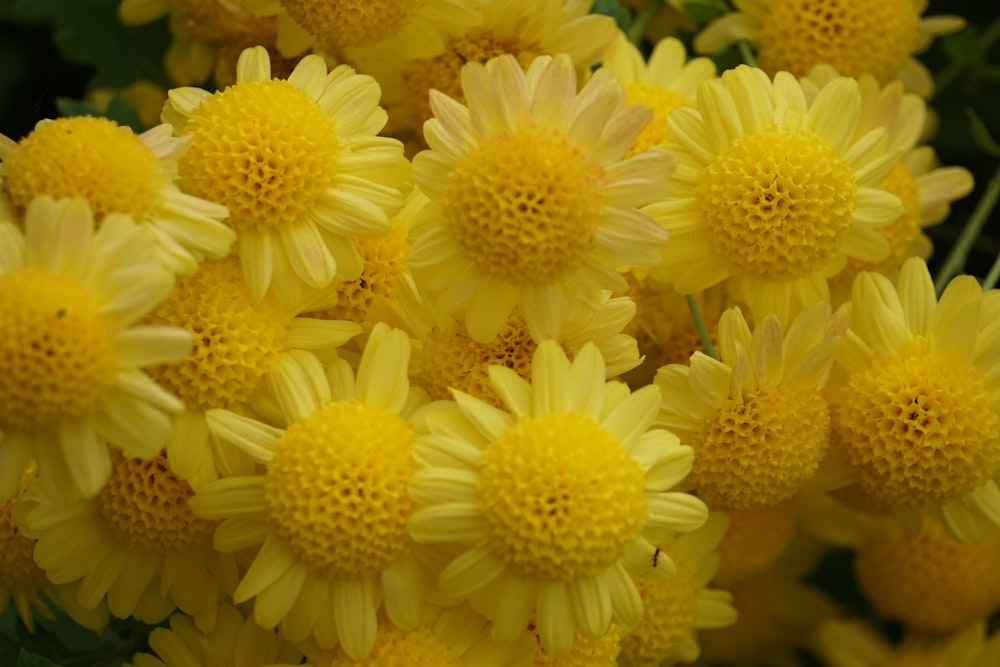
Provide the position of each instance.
(981, 135)
(964, 47)
(613, 9)
(25, 659)
(34, 11)
(701, 12)
(119, 110)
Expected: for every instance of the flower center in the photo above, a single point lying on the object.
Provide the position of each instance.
(353, 22)
(57, 353)
(221, 22)
(393, 647)
(562, 497)
(234, 339)
(671, 610)
(384, 260)
(337, 488)
(450, 358)
(146, 504)
(87, 157)
(759, 451)
(855, 36)
(929, 582)
(919, 430)
(277, 149)
(776, 203)
(18, 571)
(524, 206)
(662, 102)
(599, 652)
(754, 540)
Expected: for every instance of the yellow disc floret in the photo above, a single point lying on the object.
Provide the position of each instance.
(524, 205)
(353, 22)
(146, 504)
(18, 570)
(776, 203)
(395, 648)
(234, 339)
(87, 157)
(267, 167)
(929, 582)
(857, 37)
(919, 430)
(337, 488)
(662, 101)
(57, 353)
(760, 450)
(754, 540)
(562, 497)
(600, 652)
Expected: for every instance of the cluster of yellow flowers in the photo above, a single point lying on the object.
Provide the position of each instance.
(455, 332)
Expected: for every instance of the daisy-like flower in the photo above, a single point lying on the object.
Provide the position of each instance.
(299, 164)
(917, 408)
(235, 342)
(772, 190)
(758, 418)
(755, 540)
(600, 652)
(70, 352)
(663, 82)
(522, 28)
(235, 641)
(876, 37)
(853, 643)
(329, 511)
(531, 204)
(135, 545)
(511, 490)
(116, 171)
(679, 606)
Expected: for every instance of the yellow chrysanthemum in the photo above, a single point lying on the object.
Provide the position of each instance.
(758, 419)
(600, 652)
(235, 342)
(917, 410)
(329, 511)
(677, 606)
(876, 37)
(117, 172)
(235, 641)
(299, 164)
(511, 490)
(70, 353)
(664, 82)
(754, 541)
(853, 643)
(772, 190)
(136, 545)
(531, 204)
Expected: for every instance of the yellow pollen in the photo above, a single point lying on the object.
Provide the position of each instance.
(776, 204)
(919, 430)
(146, 505)
(450, 358)
(857, 37)
(901, 233)
(57, 353)
(396, 648)
(384, 260)
(754, 540)
(87, 157)
(759, 451)
(601, 652)
(353, 22)
(18, 571)
(671, 611)
(337, 488)
(275, 148)
(929, 582)
(525, 206)
(562, 497)
(443, 72)
(234, 339)
(662, 101)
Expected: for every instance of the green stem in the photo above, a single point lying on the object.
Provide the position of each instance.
(955, 260)
(993, 276)
(746, 53)
(699, 324)
(638, 29)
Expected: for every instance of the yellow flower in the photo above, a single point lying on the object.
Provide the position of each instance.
(70, 353)
(916, 413)
(853, 643)
(299, 165)
(876, 37)
(758, 419)
(511, 489)
(329, 511)
(772, 190)
(531, 204)
(116, 171)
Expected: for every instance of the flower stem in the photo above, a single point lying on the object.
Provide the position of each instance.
(746, 53)
(699, 324)
(993, 276)
(955, 260)
(641, 23)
